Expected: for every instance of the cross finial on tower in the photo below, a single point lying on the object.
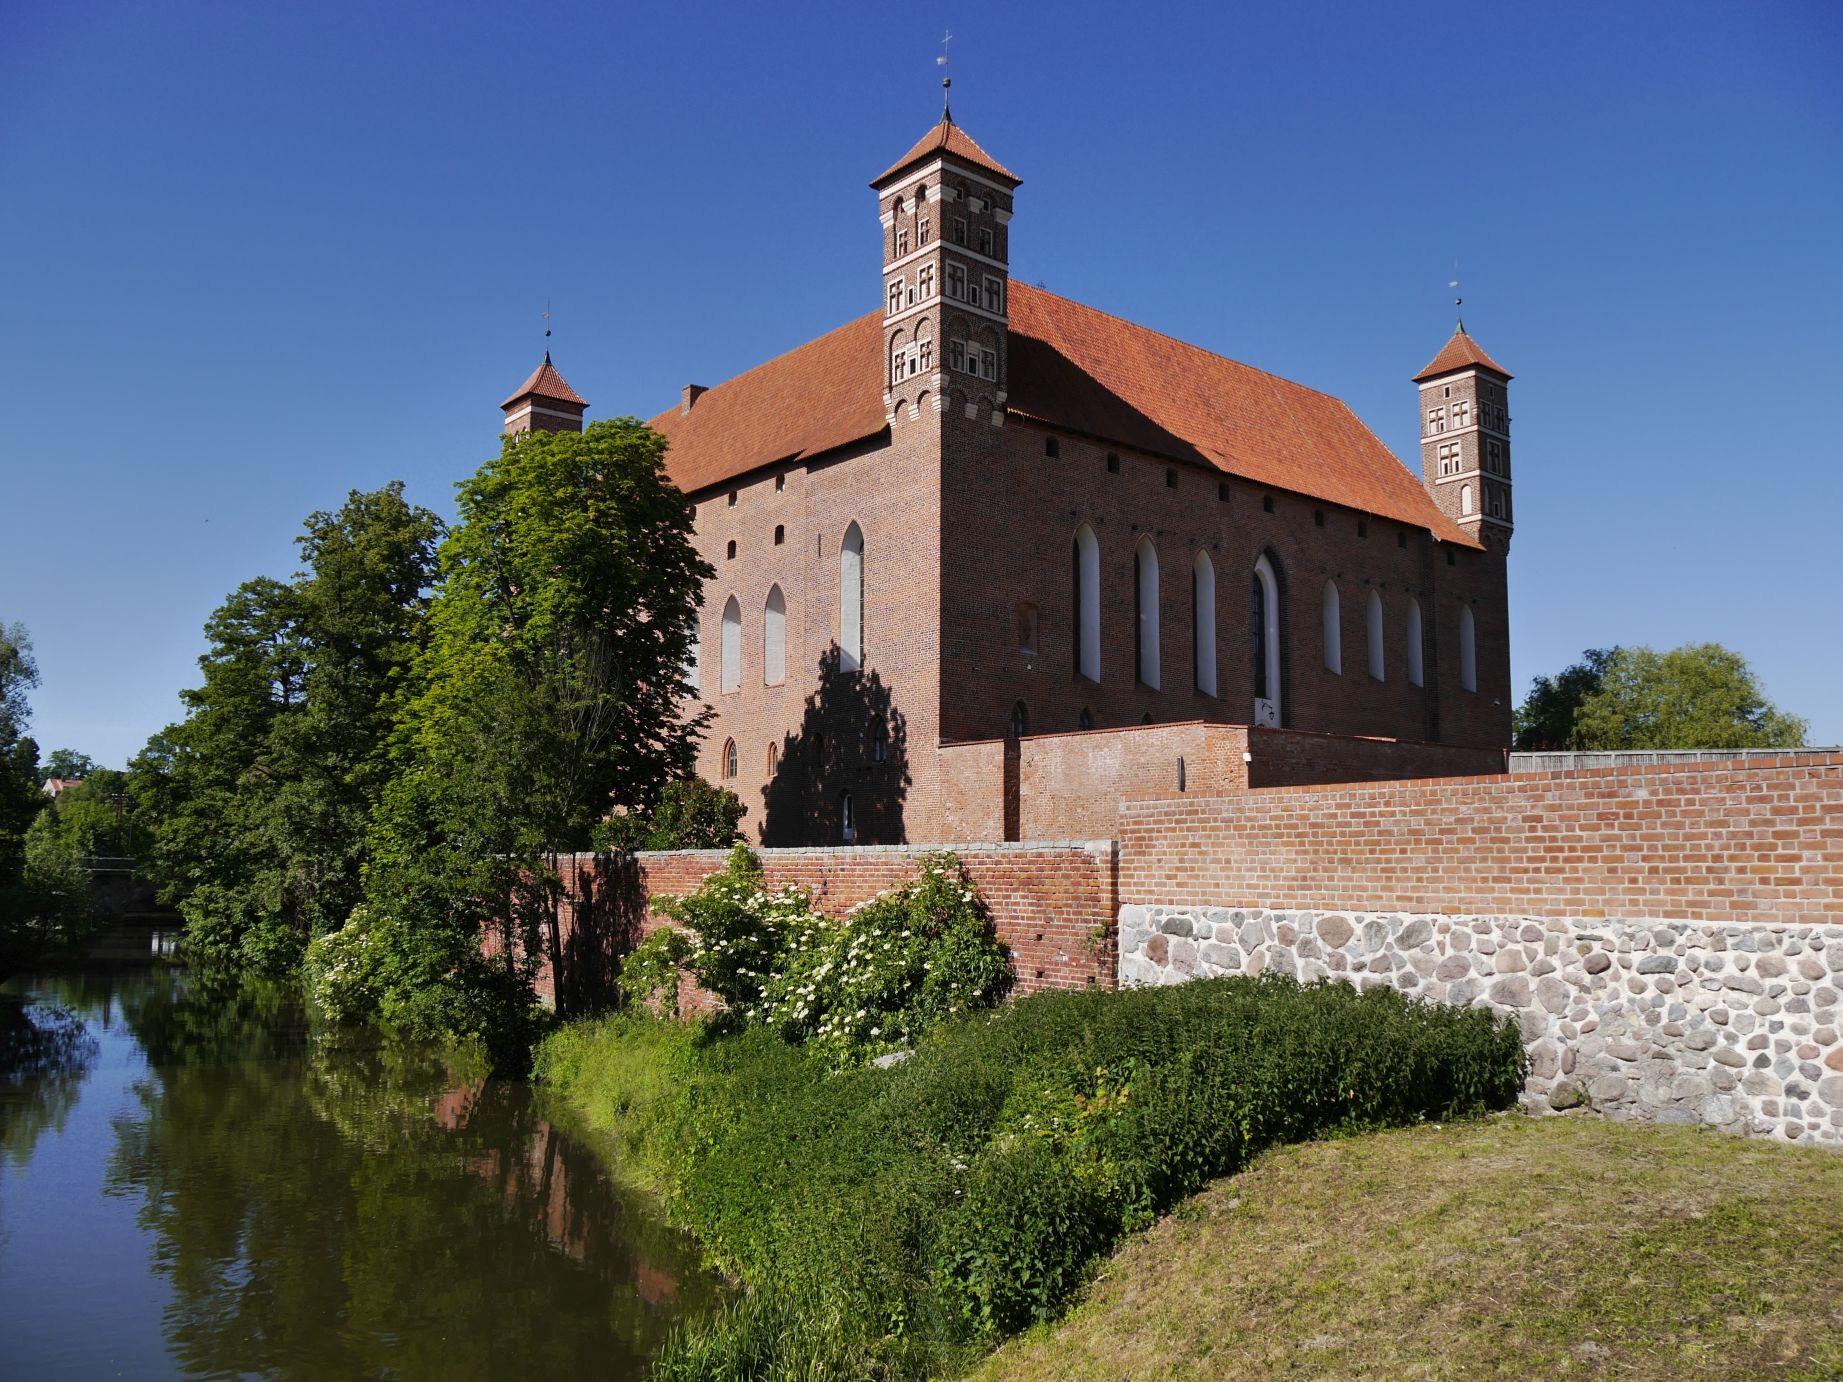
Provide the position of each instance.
(1458, 302)
(946, 78)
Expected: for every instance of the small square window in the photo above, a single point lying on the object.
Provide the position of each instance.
(780, 483)
(1318, 518)
(1170, 478)
(780, 534)
(1401, 540)
(1052, 447)
(1222, 492)
(1266, 503)
(1113, 463)
(730, 551)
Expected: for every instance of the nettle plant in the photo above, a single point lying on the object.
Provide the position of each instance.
(851, 987)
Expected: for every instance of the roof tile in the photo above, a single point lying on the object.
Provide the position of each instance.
(545, 382)
(1462, 352)
(954, 140)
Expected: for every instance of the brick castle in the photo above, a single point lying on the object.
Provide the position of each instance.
(986, 527)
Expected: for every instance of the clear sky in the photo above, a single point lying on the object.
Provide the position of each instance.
(253, 256)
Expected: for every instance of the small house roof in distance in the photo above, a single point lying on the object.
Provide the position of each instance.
(948, 137)
(1462, 352)
(545, 382)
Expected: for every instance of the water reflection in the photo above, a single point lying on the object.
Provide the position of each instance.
(320, 1210)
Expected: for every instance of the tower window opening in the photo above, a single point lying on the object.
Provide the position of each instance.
(729, 551)
(1222, 492)
(780, 534)
(847, 820)
(1170, 478)
(921, 231)
(1266, 503)
(729, 758)
(732, 499)
(959, 230)
(985, 241)
(1113, 463)
(780, 483)
(902, 240)
(1468, 650)
(851, 600)
(1051, 447)
(879, 742)
(1020, 721)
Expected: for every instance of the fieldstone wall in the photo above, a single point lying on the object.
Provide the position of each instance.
(1664, 1021)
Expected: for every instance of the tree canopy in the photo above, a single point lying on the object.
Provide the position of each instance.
(1698, 696)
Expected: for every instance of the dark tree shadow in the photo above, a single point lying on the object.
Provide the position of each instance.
(851, 752)
(603, 908)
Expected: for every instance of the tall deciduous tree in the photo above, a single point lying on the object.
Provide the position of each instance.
(1699, 696)
(260, 800)
(550, 692)
(1545, 720)
(20, 798)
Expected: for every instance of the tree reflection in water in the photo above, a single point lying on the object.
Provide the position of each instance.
(327, 1210)
(45, 1051)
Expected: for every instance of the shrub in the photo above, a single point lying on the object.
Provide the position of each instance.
(690, 814)
(965, 1193)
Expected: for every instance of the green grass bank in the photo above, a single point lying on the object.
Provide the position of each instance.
(901, 1222)
(1509, 1248)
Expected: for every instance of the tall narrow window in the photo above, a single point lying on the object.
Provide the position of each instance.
(1417, 675)
(730, 672)
(1203, 621)
(1145, 586)
(1087, 603)
(694, 662)
(1377, 667)
(847, 820)
(1465, 500)
(1264, 640)
(774, 638)
(851, 600)
(1085, 720)
(1020, 721)
(729, 758)
(1333, 615)
(1468, 650)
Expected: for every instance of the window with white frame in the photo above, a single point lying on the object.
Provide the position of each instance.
(902, 240)
(994, 295)
(895, 296)
(924, 354)
(988, 364)
(1436, 420)
(956, 281)
(774, 638)
(1450, 463)
(1465, 501)
(729, 673)
(1416, 673)
(921, 231)
(985, 241)
(956, 355)
(1462, 413)
(926, 278)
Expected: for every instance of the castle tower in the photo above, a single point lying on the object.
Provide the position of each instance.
(1465, 438)
(544, 403)
(946, 212)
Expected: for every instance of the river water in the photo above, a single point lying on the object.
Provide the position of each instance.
(190, 1186)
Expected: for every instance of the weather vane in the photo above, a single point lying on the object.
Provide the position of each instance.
(946, 77)
(547, 319)
(1458, 302)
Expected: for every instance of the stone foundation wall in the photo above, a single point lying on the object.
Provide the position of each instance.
(1731, 1026)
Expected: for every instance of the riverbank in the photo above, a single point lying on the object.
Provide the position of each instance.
(900, 1222)
(1516, 1247)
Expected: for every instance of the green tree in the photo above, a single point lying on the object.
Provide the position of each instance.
(690, 814)
(20, 798)
(66, 763)
(550, 692)
(1545, 720)
(259, 802)
(1699, 696)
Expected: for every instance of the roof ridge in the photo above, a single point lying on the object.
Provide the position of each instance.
(794, 349)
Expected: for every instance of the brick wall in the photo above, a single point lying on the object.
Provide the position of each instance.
(1760, 842)
(1070, 786)
(1052, 904)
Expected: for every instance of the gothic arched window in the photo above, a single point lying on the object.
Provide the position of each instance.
(1468, 650)
(1416, 669)
(1264, 634)
(729, 758)
(1087, 603)
(729, 675)
(1145, 598)
(851, 600)
(1378, 668)
(1020, 721)
(1333, 615)
(1203, 622)
(774, 638)
(847, 820)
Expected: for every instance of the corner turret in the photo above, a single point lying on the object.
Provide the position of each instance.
(1465, 438)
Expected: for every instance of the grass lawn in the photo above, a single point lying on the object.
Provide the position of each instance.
(1515, 1247)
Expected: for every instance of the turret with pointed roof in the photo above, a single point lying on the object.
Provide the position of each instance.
(945, 208)
(1465, 438)
(544, 403)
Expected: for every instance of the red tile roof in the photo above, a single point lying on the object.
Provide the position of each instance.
(545, 382)
(950, 137)
(1462, 352)
(1075, 368)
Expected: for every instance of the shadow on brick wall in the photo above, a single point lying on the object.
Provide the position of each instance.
(850, 757)
(606, 901)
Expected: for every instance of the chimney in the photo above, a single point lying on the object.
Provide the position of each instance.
(691, 395)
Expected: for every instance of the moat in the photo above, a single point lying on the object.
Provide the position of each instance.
(191, 1185)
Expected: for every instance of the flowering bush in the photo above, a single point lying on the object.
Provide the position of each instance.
(890, 968)
(853, 987)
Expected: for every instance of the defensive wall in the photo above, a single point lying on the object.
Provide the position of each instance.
(1669, 936)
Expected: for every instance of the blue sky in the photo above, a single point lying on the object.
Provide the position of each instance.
(254, 256)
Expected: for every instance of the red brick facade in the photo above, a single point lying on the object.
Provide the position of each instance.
(1759, 842)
